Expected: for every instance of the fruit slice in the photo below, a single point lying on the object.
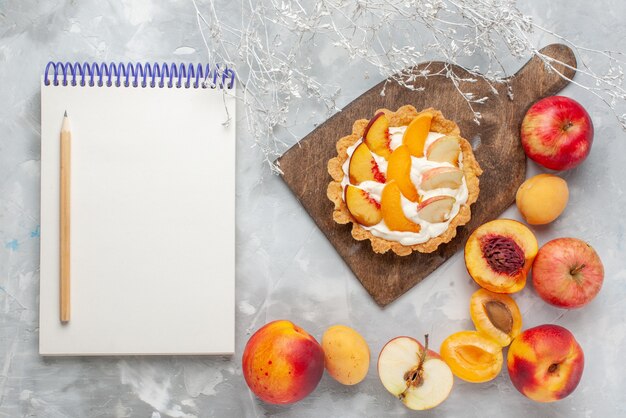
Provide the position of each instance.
(436, 178)
(376, 135)
(416, 375)
(472, 357)
(496, 316)
(436, 209)
(444, 150)
(399, 169)
(391, 203)
(416, 133)
(363, 166)
(499, 254)
(364, 208)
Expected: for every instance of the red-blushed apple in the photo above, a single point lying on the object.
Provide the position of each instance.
(282, 363)
(414, 374)
(545, 363)
(557, 133)
(567, 273)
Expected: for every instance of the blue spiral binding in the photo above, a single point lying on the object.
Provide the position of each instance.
(139, 75)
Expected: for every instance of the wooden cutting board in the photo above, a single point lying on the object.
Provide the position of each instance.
(495, 141)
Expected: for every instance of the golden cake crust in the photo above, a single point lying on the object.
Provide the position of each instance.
(402, 117)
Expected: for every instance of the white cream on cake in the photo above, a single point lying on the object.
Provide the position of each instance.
(418, 166)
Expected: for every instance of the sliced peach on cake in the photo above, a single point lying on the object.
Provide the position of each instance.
(440, 177)
(496, 316)
(416, 133)
(393, 215)
(444, 150)
(376, 135)
(363, 207)
(363, 166)
(436, 209)
(499, 254)
(399, 169)
(472, 357)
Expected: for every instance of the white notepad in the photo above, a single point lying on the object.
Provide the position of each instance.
(152, 217)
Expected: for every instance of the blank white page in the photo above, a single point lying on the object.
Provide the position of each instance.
(152, 221)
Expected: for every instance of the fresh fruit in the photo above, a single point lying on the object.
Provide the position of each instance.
(282, 363)
(346, 354)
(542, 198)
(376, 135)
(472, 356)
(444, 150)
(393, 215)
(399, 169)
(416, 133)
(439, 177)
(414, 374)
(499, 254)
(496, 316)
(557, 133)
(363, 166)
(567, 273)
(545, 363)
(436, 209)
(365, 209)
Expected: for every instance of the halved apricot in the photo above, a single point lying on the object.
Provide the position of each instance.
(472, 356)
(499, 254)
(496, 316)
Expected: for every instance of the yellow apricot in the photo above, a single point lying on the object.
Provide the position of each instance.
(542, 198)
(346, 354)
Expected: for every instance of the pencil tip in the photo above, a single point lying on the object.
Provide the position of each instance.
(65, 114)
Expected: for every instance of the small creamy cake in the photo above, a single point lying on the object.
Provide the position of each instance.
(405, 180)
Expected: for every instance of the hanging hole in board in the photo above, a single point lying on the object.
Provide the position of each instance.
(475, 141)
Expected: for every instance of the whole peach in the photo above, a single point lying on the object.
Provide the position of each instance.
(545, 363)
(282, 363)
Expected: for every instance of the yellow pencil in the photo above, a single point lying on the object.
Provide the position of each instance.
(66, 169)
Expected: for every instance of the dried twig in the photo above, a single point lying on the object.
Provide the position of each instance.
(269, 48)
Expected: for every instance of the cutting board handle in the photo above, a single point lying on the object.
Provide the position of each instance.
(541, 79)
